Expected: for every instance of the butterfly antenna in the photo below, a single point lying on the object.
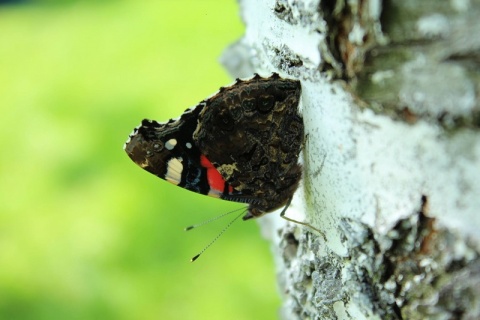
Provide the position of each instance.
(218, 236)
(211, 220)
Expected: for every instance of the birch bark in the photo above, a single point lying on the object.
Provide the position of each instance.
(392, 160)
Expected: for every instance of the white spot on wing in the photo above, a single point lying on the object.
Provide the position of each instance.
(188, 145)
(174, 171)
(170, 144)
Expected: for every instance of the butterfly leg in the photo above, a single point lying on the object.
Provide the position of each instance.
(282, 214)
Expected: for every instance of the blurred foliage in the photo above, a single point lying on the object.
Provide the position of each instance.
(84, 232)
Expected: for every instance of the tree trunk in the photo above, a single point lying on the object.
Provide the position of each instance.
(390, 100)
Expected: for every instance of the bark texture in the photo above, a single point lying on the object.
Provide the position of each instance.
(390, 100)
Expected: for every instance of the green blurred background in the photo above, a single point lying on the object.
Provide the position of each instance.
(84, 232)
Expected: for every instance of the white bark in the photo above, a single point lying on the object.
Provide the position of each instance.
(392, 159)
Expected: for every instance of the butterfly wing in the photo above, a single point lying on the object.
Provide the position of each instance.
(242, 144)
(252, 133)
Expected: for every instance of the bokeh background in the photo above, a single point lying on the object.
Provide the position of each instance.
(84, 232)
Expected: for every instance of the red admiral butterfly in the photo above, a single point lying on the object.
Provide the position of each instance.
(242, 144)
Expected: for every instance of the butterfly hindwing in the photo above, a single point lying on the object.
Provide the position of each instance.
(252, 133)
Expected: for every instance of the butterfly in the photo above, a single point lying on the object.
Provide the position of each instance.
(241, 144)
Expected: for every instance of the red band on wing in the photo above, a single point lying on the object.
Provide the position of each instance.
(215, 179)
